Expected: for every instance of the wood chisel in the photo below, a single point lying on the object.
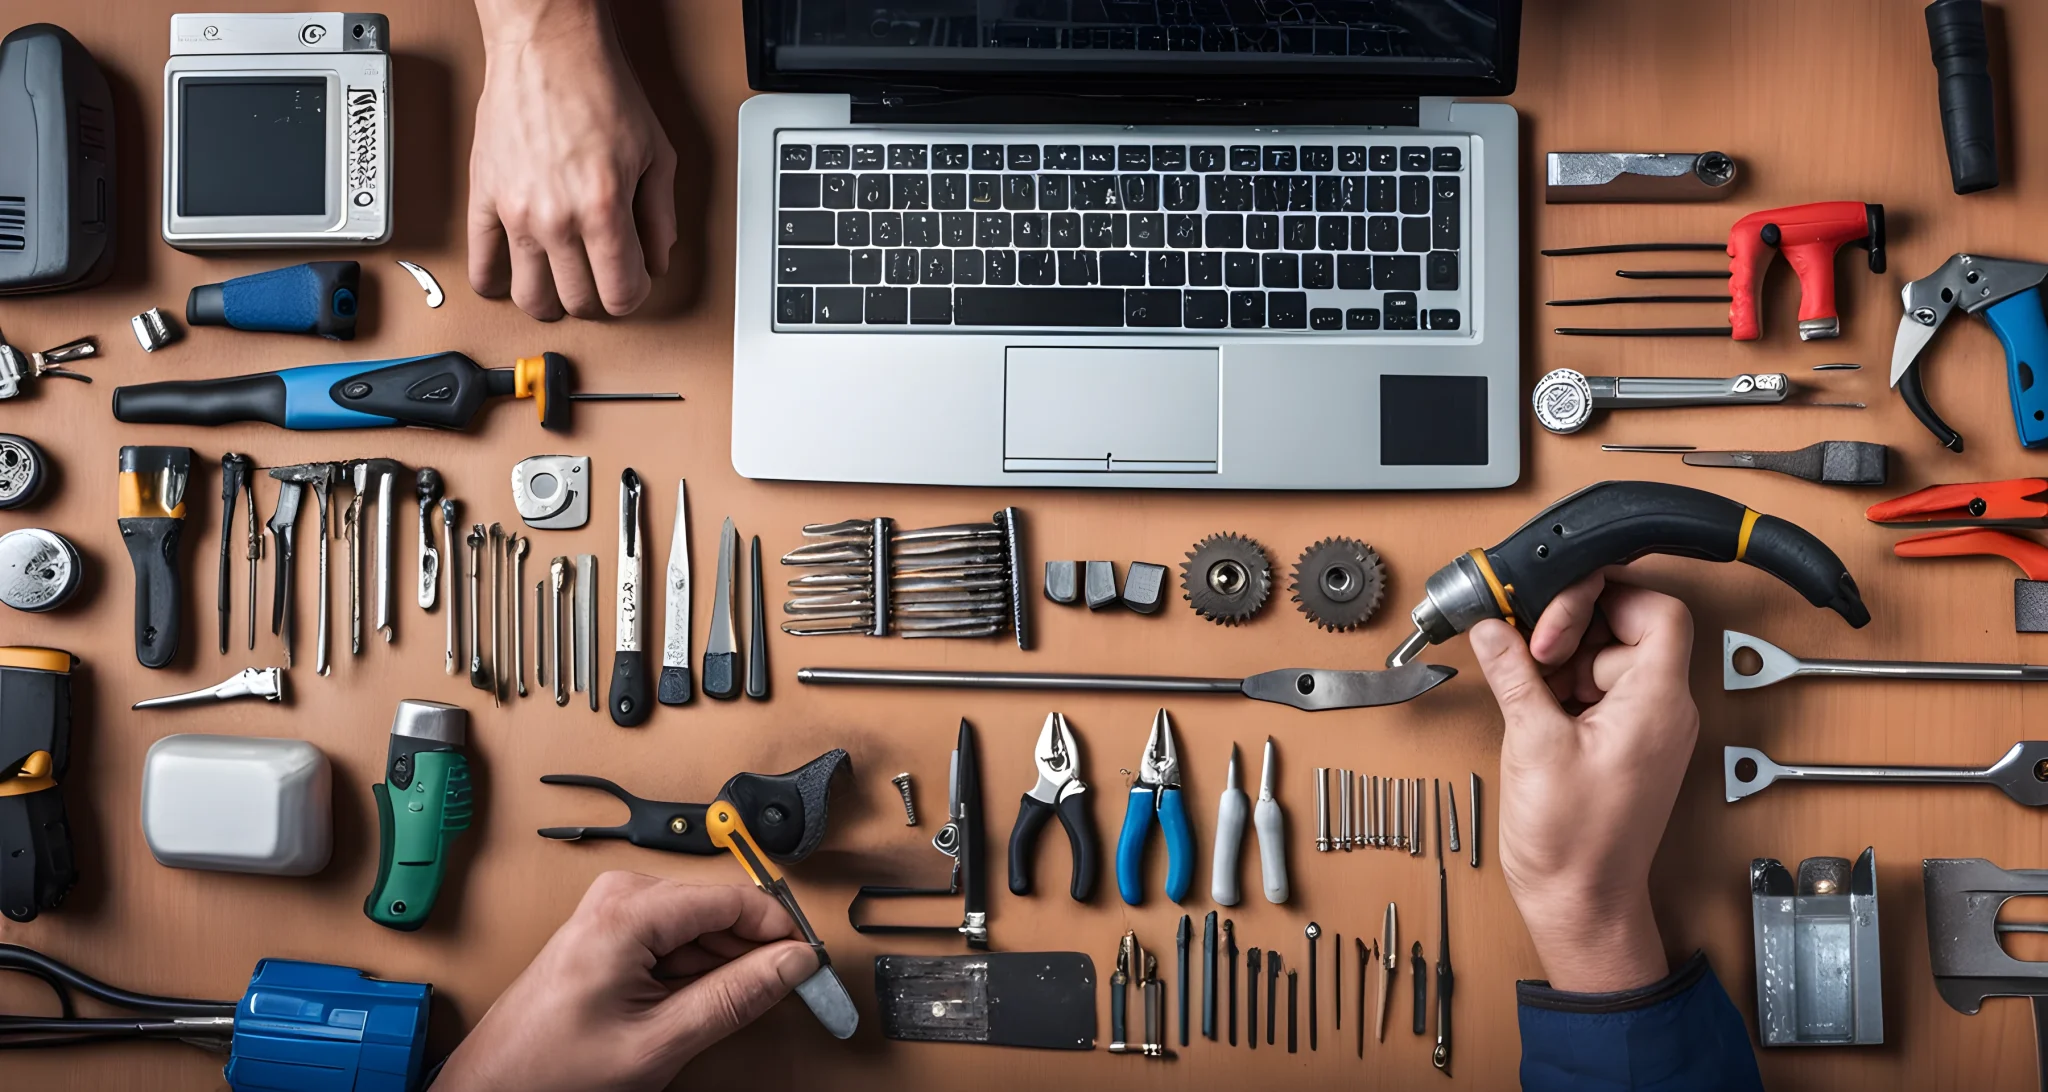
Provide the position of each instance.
(677, 687)
(152, 519)
(721, 647)
(629, 700)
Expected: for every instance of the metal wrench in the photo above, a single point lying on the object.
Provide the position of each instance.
(477, 676)
(386, 596)
(519, 546)
(427, 485)
(1777, 665)
(2022, 773)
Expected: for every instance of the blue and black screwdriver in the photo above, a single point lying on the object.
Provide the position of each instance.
(440, 390)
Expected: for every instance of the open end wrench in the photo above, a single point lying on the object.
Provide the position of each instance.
(453, 566)
(1776, 665)
(2022, 773)
(520, 545)
(477, 676)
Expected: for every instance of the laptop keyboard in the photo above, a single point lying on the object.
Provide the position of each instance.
(874, 230)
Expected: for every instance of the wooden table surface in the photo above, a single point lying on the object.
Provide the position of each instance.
(1830, 99)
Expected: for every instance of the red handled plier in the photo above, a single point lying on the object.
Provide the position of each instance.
(1974, 510)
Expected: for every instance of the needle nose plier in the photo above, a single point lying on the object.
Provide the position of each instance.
(1059, 789)
(1157, 790)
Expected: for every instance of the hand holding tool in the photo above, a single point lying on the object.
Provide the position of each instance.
(153, 482)
(1312, 932)
(1962, 63)
(1181, 945)
(757, 617)
(1156, 794)
(423, 805)
(1613, 523)
(1059, 789)
(1209, 977)
(822, 992)
(452, 566)
(1775, 665)
(721, 647)
(318, 298)
(235, 469)
(629, 700)
(790, 810)
(1232, 808)
(2008, 294)
(1252, 966)
(1390, 954)
(1829, 462)
(1441, 1056)
(1748, 771)
(676, 686)
(1573, 178)
(266, 683)
(37, 866)
(427, 487)
(1310, 689)
(440, 390)
(1272, 832)
(960, 839)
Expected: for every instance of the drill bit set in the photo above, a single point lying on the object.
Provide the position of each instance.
(1374, 812)
(868, 577)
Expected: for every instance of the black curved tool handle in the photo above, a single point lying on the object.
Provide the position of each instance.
(650, 824)
(37, 866)
(1421, 976)
(1916, 400)
(1032, 814)
(203, 401)
(1080, 824)
(153, 546)
(1612, 523)
(675, 686)
(1962, 68)
(721, 675)
(630, 700)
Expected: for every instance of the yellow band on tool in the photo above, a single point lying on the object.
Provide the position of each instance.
(1749, 518)
(1500, 591)
(33, 776)
(722, 823)
(529, 375)
(36, 659)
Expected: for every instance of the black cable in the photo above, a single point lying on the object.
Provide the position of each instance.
(14, 957)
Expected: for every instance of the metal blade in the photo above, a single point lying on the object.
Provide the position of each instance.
(1314, 689)
(829, 1002)
(626, 621)
(724, 637)
(675, 645)
(1913, 335)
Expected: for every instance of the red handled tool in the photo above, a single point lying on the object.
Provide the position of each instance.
(1975, 510)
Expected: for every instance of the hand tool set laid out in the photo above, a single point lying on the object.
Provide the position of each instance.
(866, 576)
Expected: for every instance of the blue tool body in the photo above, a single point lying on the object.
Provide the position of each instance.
(314, 1027)
(438, 390)
(316, 298)
(2023, 331)
(1130, 844)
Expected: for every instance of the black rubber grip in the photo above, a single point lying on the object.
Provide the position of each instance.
(1613, 523)
(1915, 395)
(37, 866)
(1032, 814)
(153, 546)
(1074, 815)
(721, 677)
(629, 698)
(1962, 68)
(1421, 977)
(757, 632)
(202, 401)
(676, 687)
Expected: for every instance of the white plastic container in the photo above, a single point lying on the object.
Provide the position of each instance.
(232, 804)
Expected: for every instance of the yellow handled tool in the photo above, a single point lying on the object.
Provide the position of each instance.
(823, 991)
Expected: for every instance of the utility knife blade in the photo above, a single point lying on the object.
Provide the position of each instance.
(676, 684)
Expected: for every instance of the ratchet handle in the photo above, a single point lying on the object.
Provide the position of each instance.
(629, 699)
(1613, 523)
(1962, 67)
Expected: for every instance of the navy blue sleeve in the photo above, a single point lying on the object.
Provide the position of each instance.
(1682, 1034)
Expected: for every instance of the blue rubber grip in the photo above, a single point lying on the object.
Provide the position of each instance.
(2023, 331)
(281, 300)
(1180, 844)
(309, 405)
(1130, 845)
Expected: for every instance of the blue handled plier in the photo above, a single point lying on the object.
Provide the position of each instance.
(1156, 790)
(2008, 294)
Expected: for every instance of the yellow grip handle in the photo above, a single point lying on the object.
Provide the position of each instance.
(729, 832)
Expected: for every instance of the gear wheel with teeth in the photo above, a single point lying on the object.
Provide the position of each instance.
(1226, 578)
(1338, 583)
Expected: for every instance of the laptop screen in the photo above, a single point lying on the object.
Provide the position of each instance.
(1203, 48)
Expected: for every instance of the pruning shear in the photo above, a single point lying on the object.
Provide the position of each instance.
(1973, 512)
(1156, 793)
(2008, 294)
(1059, 789)
(788, 810)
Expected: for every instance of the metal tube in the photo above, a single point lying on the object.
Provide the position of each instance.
(1322, 809)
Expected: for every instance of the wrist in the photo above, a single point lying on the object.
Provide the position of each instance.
(1597, 943)
(518, 23)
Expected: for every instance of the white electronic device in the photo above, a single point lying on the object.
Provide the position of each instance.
(236, 804)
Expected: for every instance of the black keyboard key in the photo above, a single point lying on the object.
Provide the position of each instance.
(799, 265)
(908, 157)
(1269, 193)
(853, 229)
(1351, 157)
(1382, 157)
(1354, 272)
(838, 192)
(1441, 271)
(1262, 231)
(920, 229)
(1280, 271)
(1358, 233)
(1095, 191)
(1333, 233)
(1023, 157)
(900, 266)
(987, 157)
(1298, 232)
(1379, 193)
(1316, 271)
(888, 229)
(1124, 268)
(1053, 192)
(1415, 234)
(1063, 157)
(1078, 267)
(1206, 310)
(1140, 191)
(871, 191)
(1397, 272)
(867, 267)
(1205, 269)
(991, 229)
(1317, 157)
(1207, 158)
(956, 229)
(1247, 310)
(1038, 307)
(1036, 267)
(1414, 159)
(792, 305)
(1170, 157)
(839, 306)
(1445, 216)
(1229, 192)
(1134, 157)
(1030, 229)
(984, 191)
(888, 306)
(949, 157)
(1362, 318)
(1241, 270)
(1223, 231)
(805, 229)
(1181, 192)
(1382, 233)
(833, 157)
(967, 266)
(949, 191)
(1148, 230)
(1414, 194)
(867, 157)
(798, 191)
(1447, 159)
(1326, 318)
(1244, 157)
(1098, 157)
(1020, 192)
(1301, 194)
(1351, 194)
(1280, 157)
(910, 191)
(1002, 266)
(1103, 230)
(1400, 312)
(1330, 194)
(931, 306)
(1184, 230)
(1166, 268)
(936, 267)
(1443, 318)
(1287, 310)
(1066, 230)
(1152, 307)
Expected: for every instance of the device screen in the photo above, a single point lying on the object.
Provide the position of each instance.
(253, 147)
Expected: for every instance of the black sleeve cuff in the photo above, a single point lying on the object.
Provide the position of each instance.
(1537, 993)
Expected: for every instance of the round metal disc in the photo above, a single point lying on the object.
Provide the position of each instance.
(1226, 578)
(39, 570)
(22, 470)
(1338, 583)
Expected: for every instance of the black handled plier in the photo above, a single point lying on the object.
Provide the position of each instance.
(1059, 790)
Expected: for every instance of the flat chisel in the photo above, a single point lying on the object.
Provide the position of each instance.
(629, 698)
(677, 687)
(721, 647)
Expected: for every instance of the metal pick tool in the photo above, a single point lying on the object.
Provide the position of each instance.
(250, 682)
(2021, 774)
(1776, 665)
(1309, 689)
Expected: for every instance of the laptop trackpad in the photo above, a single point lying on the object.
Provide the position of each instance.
(1132, 410)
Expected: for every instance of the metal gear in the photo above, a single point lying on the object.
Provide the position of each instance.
(1338, 583)
(1226, 578)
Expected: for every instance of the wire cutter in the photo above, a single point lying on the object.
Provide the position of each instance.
(1059, 789)
(2008, 294)
(1973, 511)
(1157, 790)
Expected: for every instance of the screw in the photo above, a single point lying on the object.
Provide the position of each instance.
(902, 783)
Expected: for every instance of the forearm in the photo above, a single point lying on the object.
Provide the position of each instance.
(1594, 944)
(516, 21)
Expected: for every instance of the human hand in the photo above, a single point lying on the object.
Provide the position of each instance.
(1585, 796)
(571, 179)
(641, 978)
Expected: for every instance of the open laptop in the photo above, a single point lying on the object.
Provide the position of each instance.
(1237, 244)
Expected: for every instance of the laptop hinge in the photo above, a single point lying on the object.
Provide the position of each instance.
(924, 107)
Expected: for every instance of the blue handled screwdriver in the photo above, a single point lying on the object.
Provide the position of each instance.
(1157, 791)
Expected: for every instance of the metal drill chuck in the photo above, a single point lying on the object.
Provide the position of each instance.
(1455, 598)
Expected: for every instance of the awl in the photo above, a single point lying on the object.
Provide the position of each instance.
(1829, 462)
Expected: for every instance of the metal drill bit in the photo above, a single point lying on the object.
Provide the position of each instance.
(1322, 783)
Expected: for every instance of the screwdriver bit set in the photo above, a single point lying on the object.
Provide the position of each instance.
(867, 577)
